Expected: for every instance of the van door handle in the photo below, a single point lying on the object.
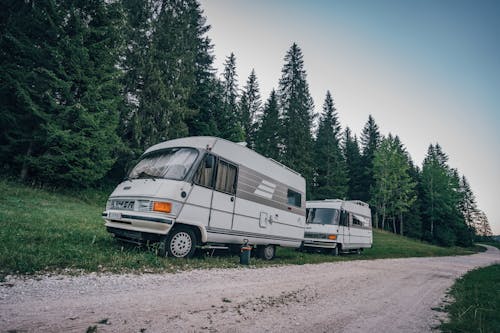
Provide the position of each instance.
(232, 199)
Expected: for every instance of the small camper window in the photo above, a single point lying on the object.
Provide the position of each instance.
(294, 198)
(226, 177)
(356, 221)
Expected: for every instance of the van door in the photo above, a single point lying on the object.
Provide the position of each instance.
(199, 202)
(224, 196)
(344, 229)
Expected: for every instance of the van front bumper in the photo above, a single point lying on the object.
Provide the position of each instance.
(321, 244)
(136, 225)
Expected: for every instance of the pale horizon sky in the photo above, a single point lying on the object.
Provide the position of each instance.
(428, 71)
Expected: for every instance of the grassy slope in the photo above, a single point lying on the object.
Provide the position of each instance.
(44, 231)
(477, 302)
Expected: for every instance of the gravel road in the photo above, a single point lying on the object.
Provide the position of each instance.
(390, 295)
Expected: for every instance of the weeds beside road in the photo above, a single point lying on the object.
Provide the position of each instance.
(476, 306)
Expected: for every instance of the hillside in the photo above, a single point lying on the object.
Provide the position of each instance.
(43, 231)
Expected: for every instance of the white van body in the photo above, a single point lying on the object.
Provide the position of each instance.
(220, 191)
(338, 225)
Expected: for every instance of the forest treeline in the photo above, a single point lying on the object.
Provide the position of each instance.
(87, 86)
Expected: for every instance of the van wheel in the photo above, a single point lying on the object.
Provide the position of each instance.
(335, 251)
(181, 243)
(266, 252)
(358, 251)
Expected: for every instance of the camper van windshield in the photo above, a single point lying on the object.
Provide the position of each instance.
(322, 215)
(172, 163)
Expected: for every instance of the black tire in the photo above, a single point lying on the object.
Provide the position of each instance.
(335, 251)
(181, 243)
(266, 252)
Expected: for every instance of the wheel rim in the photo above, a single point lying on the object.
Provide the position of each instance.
(181, 244)
(268, 252)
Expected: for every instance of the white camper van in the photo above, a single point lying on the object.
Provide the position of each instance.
(336, 225)
(208, 192)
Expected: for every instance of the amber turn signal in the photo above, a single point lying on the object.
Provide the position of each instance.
(164, 207)
(332, 237)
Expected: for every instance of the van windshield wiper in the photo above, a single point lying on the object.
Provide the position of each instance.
(147, 175)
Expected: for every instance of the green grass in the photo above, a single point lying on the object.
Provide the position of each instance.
(477, 302)
(43, 231)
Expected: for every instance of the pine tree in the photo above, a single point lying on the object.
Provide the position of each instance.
(468, 205)
(442, 220)
(29, 54)
(352, 157)
(249, 108)
(228, 120)
(162, 65)
(296, 107)
(482, 225)
(330, 170)
(205, 98)
(73, 106)
(370, 139)
(267, 137)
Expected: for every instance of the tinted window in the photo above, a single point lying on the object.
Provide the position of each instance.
(226, 177)
(294, 198)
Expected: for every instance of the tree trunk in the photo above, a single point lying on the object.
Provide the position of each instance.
(401, 224)
(394, 225)
(24, 168)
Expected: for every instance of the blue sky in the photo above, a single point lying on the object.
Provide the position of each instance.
(428, 71)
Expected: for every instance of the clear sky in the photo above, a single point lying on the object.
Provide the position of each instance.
(428, 70)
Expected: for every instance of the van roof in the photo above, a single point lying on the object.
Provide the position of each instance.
(353, 206)
(240, 155)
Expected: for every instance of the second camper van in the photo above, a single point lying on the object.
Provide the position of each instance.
(337, 225)
(208, 192)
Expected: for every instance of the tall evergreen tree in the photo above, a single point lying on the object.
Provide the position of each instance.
(228, 120)
(205, 99)
(442, 220)
(370, 140)
(170, 84)
(330, 170)
(297, 110)
(352, 157)
(482, 225)
(468, 205)
(249, 108)
(268, 139)
(73, 106)
(29, 54)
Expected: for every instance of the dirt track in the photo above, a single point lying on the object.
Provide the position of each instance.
(391, 295)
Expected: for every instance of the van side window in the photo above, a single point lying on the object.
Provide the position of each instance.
(294, 198)
(344, 218)
(226, 177)
(205, 173)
